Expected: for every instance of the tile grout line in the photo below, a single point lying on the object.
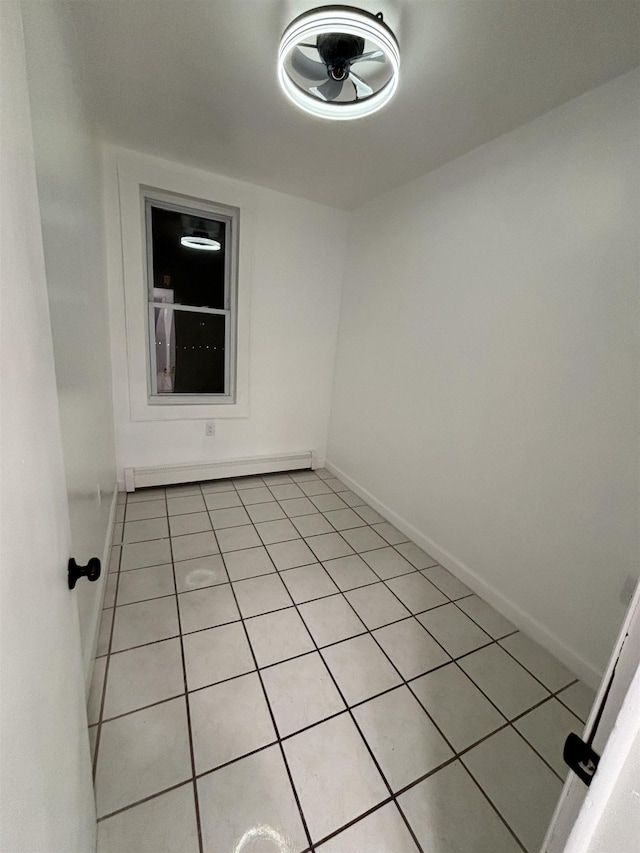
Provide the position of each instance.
(511, 721)
(348, 709)
(135, 710)
(366, 631)
(491, 640)
(107, 663)
(273, 719)
(493, 806)
(316, 562)
(156, 794)
(232, 761)
(280, 572)
(332, 677)
(564, 704)
(271, 714)
(266, 696)
(391, 800)
(428, 715)
(494, 641)
(404, 682)
(196, 798)
(288, 569)
(543, 700)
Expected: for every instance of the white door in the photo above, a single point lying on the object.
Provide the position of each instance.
(614, 722)
(46, 792)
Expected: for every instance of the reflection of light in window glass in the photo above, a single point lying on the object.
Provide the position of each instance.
(195, 278)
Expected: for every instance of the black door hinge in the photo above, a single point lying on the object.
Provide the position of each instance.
(579, 754)
(581, 758)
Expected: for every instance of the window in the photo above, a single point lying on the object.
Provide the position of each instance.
(192, 295)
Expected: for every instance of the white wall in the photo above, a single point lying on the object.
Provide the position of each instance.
(486, 386)
(69, 173)
(291, 260)
(46, 795)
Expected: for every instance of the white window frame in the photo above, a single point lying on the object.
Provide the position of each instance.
(129, 175)
(231, 217)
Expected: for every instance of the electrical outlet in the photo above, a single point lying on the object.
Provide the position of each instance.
(210, 428)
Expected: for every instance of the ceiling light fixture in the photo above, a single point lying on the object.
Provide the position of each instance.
(200, 240)
(338, 62)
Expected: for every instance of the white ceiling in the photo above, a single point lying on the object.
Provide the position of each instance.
(195, 81)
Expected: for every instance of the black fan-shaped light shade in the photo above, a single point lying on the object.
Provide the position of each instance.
(339, 62)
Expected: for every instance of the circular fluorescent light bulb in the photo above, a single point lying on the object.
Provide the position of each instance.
(343, 20)
(203, 243)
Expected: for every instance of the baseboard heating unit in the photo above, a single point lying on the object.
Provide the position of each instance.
(169, 475)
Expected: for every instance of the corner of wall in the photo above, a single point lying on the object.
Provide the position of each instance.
(584, 669)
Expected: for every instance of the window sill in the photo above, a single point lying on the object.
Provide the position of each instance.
(189, 412)
(191, 400)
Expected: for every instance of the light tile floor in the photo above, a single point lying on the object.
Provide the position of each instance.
(279, 669)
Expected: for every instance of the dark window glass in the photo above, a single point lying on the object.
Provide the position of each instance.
(190, 352)
(187, 276)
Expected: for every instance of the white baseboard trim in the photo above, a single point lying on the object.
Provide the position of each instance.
(168, 475)
(89, 660)
(585, 670)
